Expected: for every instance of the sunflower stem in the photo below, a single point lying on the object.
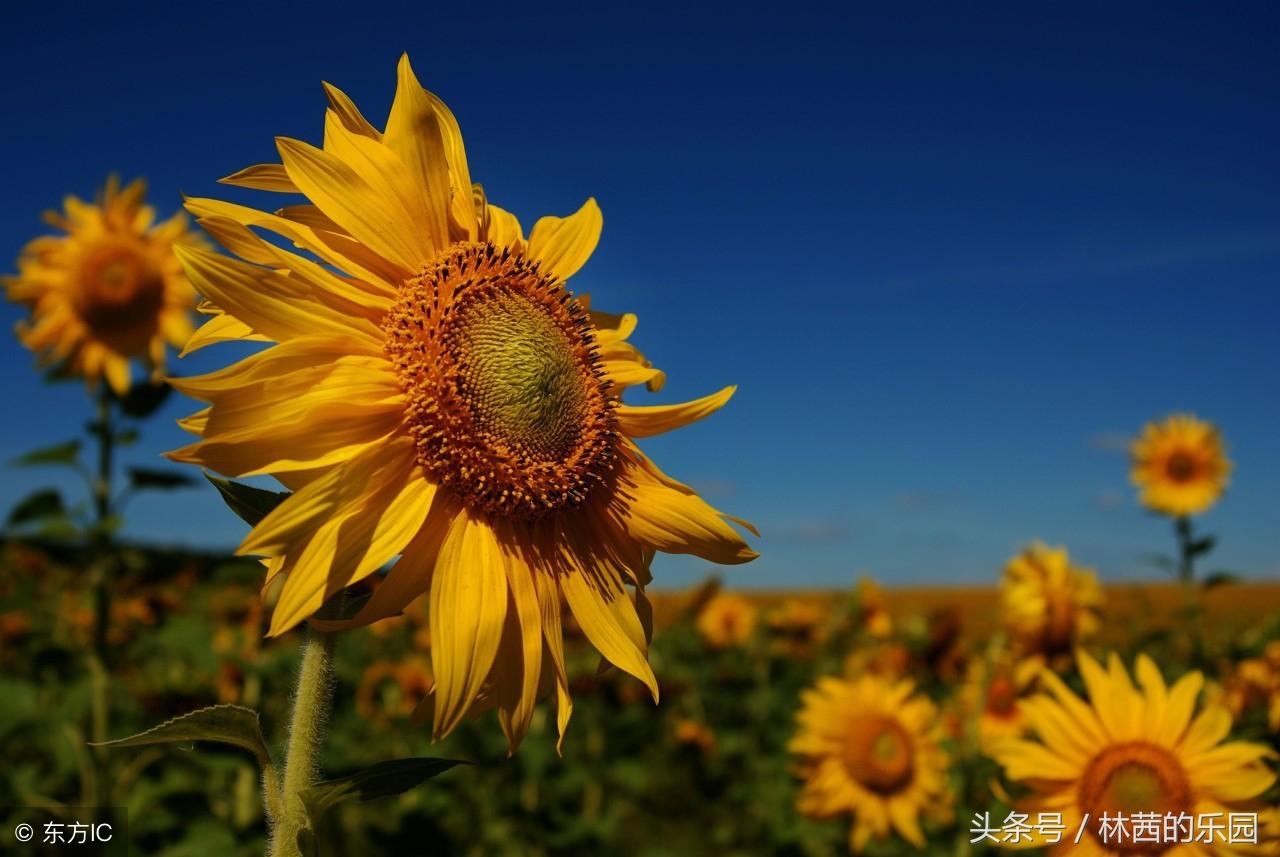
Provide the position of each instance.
(1190, 594)
(102, 562)
(311, 703)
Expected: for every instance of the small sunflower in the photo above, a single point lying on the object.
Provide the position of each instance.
(1049, 605)
(726, 621)
(1255, 685)
(873, 608)
(1180, 465)
(1128, 750)
(798, 626)
(434, 392)
(108, 291)
(992, 698)
(870, 748)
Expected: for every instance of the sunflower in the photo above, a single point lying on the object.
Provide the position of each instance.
(873, 608)
(1255, 684)
(1180, 465)
(991, 697)
(1129, 750)
(1049, 604)
(109, 290)
(433, 392)
(798, 626)
(869, 748)
(727, 620)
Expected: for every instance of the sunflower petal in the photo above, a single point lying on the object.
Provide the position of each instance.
(651, 420)
(468, 607)
(563, 244)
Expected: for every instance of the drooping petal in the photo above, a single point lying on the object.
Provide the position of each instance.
(468, 608)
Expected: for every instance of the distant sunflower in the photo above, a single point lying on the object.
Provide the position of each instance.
(1180, 465)
(1049, 605)
(992, 696)
(444, 398)
(727, 620)
(1128, 750)
(870, 748)
(109, 290)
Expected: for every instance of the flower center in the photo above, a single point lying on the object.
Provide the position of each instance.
(506, 400)
(1002, 697)
(1181, 467)
(1130, 778)
(878, 754)
(120, 292)
(1060, 621)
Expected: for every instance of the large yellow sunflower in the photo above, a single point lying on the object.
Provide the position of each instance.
(107, 291)
(1128, 750)
(1180, 465)
(1049, 605)
(870, 748)
(435, 393)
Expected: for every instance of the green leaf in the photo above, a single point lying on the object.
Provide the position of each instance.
(383, 779)
(143, 400)
(250, 504)
(1160, 561)
(1202, 545)
(1220, 578)
(163, 480)
(38, 506)
(127, 437)
(222, 724)
(59, 453)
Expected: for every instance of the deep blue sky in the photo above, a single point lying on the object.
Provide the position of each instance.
(952, 253)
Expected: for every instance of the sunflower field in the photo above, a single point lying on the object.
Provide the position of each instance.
(441, 632)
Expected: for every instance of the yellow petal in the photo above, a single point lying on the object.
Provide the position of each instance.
(523, 664)
(593, 601)
(646, 421)
(348, 113)
(563, 244)
(468, 607)
(266, 301)
(504, 229)
(341, 251)
(271, 177)
(671, 521)
(318, 283)
(372, 204)
(413, 133)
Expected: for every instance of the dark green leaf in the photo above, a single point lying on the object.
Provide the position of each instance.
(383, 779)
(163, 480)
(249, 503)
(1202, 545)
(128, 437)
(1220, 578)
(38, 506)
(223, 724)
(59, 453)
(143, 400)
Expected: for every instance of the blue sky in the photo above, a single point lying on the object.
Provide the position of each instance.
(953, 256)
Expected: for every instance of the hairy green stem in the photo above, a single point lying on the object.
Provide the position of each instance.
(306, 727)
